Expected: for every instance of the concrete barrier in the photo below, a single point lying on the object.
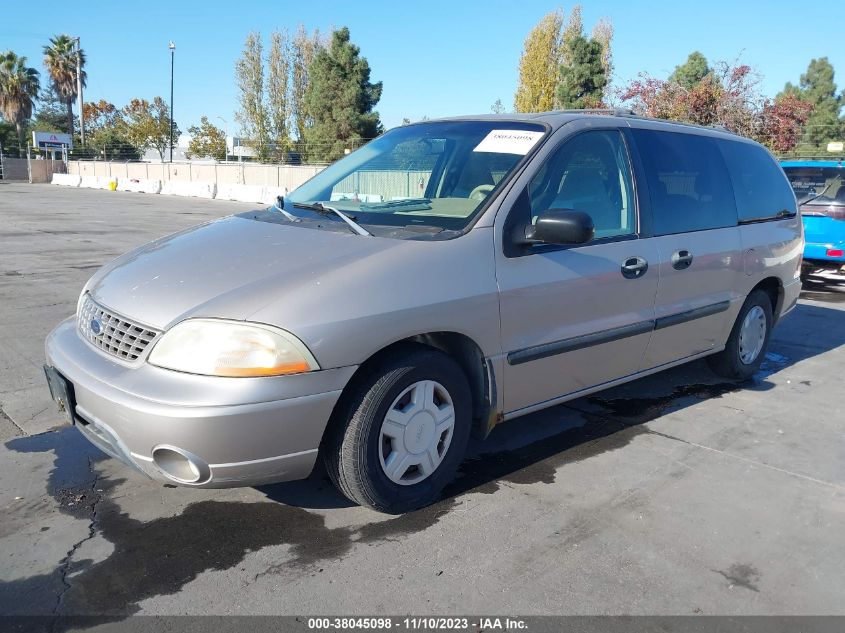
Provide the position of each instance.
(241, 193)
(189, 189)
(66, 180)
(97, 182)
(270, 194)
(139, 185)
(249, 193)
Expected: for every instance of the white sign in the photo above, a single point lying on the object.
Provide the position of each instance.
(836, 146)
(48, 140)
(509, 142)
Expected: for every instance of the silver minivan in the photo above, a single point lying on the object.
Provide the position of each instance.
(446, 277)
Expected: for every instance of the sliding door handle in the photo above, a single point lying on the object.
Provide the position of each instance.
(681, 260)
(634, 267)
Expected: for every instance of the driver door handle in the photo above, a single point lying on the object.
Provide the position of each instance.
(634, 267)
(681, 260)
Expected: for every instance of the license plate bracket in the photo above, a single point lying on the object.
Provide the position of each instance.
(62, 392)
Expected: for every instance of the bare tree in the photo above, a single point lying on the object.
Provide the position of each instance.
(249, 75)
(304, 47)
(539, 65)
(574, 28)
(278, 89)
(603, 34)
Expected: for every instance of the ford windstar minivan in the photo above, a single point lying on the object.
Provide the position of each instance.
(446, 277)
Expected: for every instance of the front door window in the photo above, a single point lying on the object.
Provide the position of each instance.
(589, 173)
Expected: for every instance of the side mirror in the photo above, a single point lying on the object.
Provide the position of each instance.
(561, 226)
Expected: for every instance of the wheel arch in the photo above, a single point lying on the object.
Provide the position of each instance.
(773, 287)
(460, 348)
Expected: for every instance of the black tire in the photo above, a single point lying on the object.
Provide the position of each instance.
(351, 447)
(806, 271)
(728, 362)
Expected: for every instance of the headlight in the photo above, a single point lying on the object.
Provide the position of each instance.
(215, 347)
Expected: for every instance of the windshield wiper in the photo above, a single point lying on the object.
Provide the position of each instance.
(414, 204)
(824, 191)
(280, 207)
(324, 209)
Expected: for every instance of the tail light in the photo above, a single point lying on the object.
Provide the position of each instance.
(835, 252)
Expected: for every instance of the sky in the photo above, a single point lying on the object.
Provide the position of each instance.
(435, 57)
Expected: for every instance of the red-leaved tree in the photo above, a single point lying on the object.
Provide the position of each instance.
(783, 122)
(728, 96)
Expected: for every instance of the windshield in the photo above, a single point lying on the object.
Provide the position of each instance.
(824, 182)
(435, 174)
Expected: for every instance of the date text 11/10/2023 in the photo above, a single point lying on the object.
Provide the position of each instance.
(423, 623)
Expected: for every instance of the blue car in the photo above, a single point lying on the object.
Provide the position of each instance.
(819, 186)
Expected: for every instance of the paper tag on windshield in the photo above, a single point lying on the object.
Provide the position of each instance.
(508, 142)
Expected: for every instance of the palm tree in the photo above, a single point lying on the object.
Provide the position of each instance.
(60, 61)
(19, 87)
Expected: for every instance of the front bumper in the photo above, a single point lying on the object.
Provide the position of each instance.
(240, 431)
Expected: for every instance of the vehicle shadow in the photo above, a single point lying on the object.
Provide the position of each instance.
(828, 288)
(531, 448)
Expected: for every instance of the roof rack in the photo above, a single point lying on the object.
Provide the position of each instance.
(610, 111)
(721, 128)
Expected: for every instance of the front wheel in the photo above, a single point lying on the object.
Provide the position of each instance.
(401, 435)
(746, 346)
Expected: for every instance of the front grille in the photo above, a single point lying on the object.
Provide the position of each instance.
(117, 335)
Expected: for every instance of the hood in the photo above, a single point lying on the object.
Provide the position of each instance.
(229, 268)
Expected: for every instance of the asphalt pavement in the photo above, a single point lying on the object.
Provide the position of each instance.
(677, 494)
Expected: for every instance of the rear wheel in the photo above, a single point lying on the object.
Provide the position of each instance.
(746, 346)
(806, 271)
(400, 437)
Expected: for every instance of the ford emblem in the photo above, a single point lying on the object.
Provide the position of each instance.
(96, 326)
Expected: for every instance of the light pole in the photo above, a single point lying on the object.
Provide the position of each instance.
(226, 123)
(172, 48)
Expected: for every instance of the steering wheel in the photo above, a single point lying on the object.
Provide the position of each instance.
(480, 192)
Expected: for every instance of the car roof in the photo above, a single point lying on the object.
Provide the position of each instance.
(812, 163)
(622, 117)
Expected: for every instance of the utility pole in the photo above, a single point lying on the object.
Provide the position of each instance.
(79, 91)
(172, 47)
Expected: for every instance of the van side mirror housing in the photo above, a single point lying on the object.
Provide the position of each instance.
(560, 226)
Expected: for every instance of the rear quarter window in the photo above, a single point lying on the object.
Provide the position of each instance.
(761, 189)
(688, 182)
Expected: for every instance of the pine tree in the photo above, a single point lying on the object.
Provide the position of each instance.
(691, 72)
(817, 86)
(340, 100)
(551, 47)
(603, 34)
(582, 76)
